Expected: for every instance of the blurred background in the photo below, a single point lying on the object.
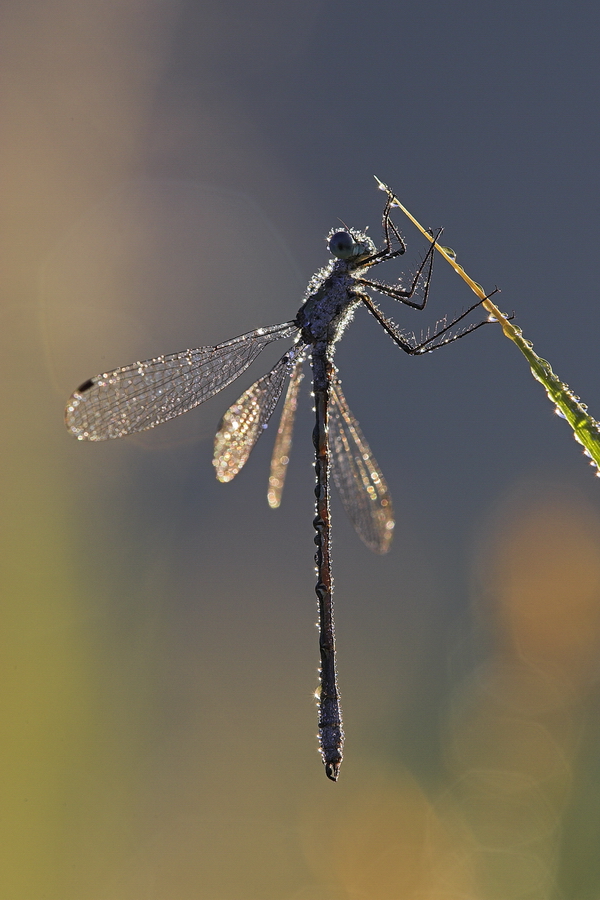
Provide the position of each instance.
(170, 171)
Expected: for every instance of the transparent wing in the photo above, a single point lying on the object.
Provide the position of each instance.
(247, 418)
(144, 394)
(283, 441)
(357, 476)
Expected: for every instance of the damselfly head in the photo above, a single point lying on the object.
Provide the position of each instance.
(344, 245)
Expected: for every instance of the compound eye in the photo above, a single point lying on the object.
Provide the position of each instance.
(342, 245)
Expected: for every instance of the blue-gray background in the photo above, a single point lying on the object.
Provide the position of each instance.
(171, 170)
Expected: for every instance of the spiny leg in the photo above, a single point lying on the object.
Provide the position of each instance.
(387, 252)
(404, 294)
(426, 346)
(389, 226)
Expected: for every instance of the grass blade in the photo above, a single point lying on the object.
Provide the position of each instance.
(586, 430)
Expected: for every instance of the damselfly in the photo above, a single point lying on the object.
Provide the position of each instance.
(145, 394)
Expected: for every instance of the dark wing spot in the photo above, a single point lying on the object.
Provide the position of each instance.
(85, 386)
